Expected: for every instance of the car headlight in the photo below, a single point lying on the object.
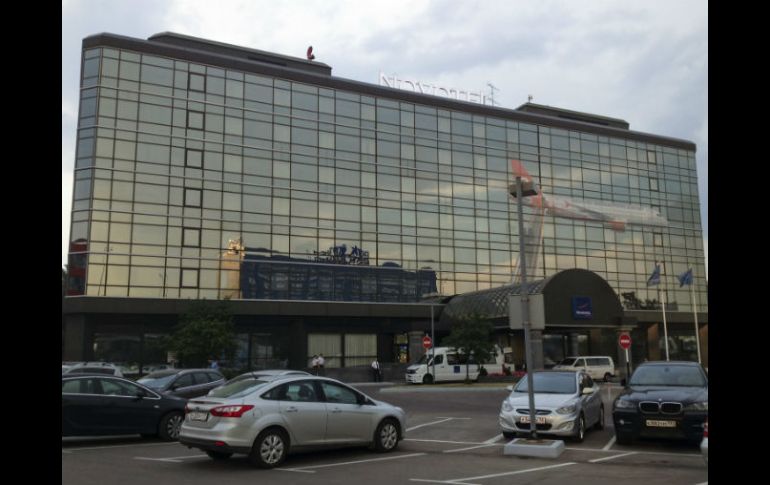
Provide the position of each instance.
(624, 404)
(569, 409)
(507, 406)
(697, 406)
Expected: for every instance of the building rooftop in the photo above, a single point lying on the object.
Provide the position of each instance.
(229, 56)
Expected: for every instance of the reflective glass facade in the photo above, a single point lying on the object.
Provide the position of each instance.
(195, 180)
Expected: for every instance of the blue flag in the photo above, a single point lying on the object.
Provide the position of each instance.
(654, 278)
(685, 278)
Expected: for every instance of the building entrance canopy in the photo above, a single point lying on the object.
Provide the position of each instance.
(570, 298)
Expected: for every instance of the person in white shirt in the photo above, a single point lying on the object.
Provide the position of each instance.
(314, 363)
(376, 371)
(321, 362)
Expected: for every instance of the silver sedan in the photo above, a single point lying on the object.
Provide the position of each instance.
(566, 404)
(266, 417)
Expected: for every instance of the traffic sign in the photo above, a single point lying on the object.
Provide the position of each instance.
(625, 341)
(427, 342)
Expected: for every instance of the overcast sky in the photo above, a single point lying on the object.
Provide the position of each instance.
(644, 62)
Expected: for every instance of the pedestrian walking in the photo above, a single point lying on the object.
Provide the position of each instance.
(321, 362)
(376, 371)
(315, 364)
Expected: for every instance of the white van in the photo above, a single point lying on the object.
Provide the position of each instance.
(448, 367)
(599, 367)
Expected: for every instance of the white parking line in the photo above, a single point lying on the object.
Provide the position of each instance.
(471, 447)
(444, 441)
(70, 450)
(302, 468)
(465, 480)
(429, 424)
(609, 445)
(493, 440)
(175, 459)
(597, 460)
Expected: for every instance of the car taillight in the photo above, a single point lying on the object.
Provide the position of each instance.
(706, 429)
(230, 411)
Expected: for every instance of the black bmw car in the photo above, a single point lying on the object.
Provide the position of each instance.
(663, 400)
(97, 405)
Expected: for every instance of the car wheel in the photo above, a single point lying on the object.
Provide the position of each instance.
(509, 435)
(607, 377)
(169, 427)
(624, 438)
(270, 448)
(218, 455)
(580, 433)
(600, 424)
(427, 379)
(386, 436)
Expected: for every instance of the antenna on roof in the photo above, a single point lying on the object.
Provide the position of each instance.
(310, 55)
(529, 98)
(492, 89)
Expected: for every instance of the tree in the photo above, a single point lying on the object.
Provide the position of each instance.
(472, 335)
(206, 330)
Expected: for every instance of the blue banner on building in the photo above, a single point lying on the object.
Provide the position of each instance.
(581, 308)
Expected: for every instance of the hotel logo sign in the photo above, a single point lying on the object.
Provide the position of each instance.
(434, 90)
(581, 308)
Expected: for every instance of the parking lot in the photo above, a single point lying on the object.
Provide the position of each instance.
(452, 437)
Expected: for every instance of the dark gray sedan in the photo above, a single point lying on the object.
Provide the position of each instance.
(98, 405)
(183, 382)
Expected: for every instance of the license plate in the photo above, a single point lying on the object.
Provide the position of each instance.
(538, 419)
(655, 423)
(198, 416)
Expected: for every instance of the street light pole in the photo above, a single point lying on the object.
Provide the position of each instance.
(525, 313)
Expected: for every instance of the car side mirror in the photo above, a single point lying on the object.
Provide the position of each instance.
(140, 394)
(588, 390)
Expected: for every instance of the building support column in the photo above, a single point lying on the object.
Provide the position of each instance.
(536, 341)
(574, 344)
(416, 349)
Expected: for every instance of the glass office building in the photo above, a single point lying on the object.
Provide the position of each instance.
(209, 171)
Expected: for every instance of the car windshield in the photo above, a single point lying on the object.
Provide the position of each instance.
(567, 362)
(239, 388)
(157, 381)
(668, 375)
(549, 383)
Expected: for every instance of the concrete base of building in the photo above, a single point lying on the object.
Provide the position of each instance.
(537, 448)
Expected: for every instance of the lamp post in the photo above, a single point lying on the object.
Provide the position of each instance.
(525, 306)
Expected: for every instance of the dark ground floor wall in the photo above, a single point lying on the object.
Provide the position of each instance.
(135, 341)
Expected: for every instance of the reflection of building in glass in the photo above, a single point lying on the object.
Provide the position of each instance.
(76, 267)
(231, 269)
(283, 278)
(191, 152)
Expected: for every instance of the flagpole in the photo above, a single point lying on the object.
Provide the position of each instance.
(695, 317)
(663, 301)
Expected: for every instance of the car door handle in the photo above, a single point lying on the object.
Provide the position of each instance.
(291, 410)
(336, 410)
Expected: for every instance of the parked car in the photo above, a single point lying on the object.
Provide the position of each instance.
(268, 417)
(667, 399)
(704, 444)
(566, 404)
(256, 374)
(95, 405)
(94, 368)
(599, 367)
(183, 382)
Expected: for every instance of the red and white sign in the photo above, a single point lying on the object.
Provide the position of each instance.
(427, 342)
(625, 341)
